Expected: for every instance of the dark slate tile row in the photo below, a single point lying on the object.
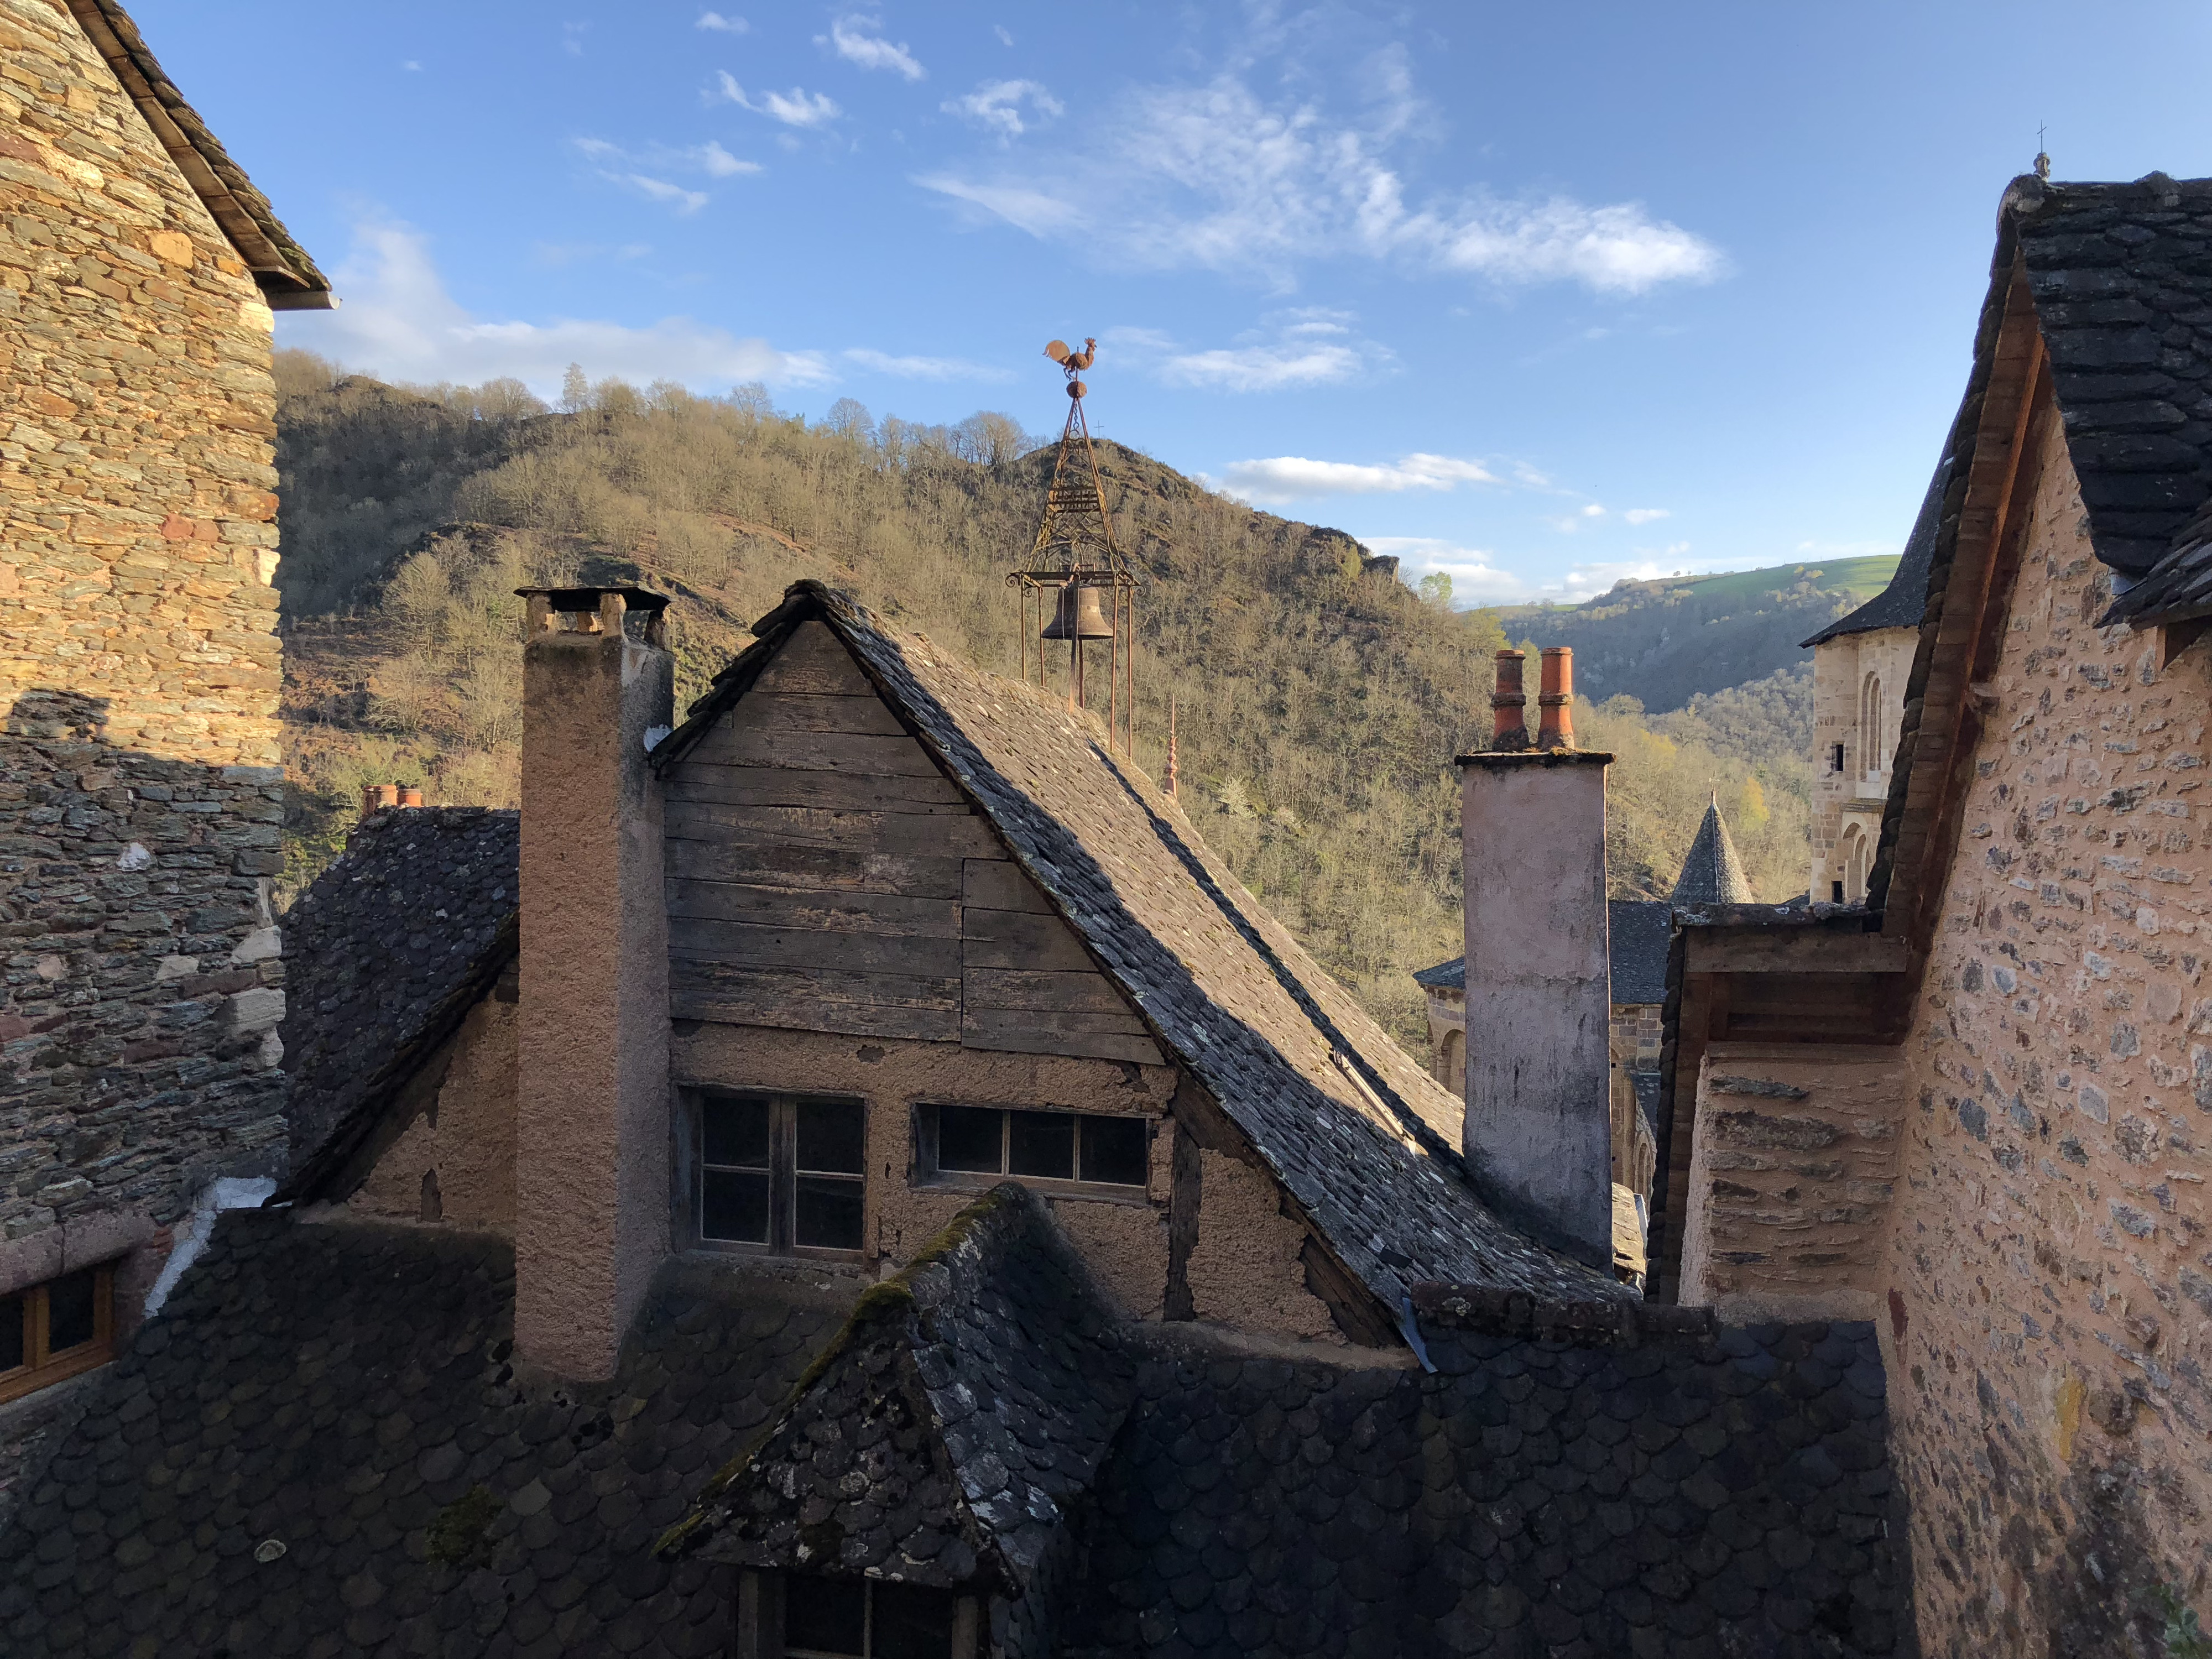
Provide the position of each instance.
(959, 1419)
(1376, 1163)
(1691, 1492)
(387, 949)
(344, 1391)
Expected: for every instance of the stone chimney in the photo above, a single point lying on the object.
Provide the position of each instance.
(1538, 1135)
(591, 1132)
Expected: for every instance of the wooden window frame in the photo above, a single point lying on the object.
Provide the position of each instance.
(690, 1169)
(927, 1172)
(758, 1609)
(42, 1367)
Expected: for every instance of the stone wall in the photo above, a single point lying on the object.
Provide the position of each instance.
(2049, 1315)
(139, 799)
(1854, 796)
(1792, 1179)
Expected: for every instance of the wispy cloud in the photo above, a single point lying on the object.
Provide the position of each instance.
(400, 322)
(796, 108)
(996, 106)
(1646, 514)
(557, 254)
(572, 38)
(1294, 478)
(870, 52)
(1481, 575)
(1005, 37)
(615, 165)
(715, 22)
(1214, 177)
(720, 164)
(1305, 346)
(924, 368)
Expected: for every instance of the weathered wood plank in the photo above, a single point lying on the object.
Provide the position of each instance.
(1000, 884)
(793, 999)
(694, 779)
(734, 745)
(782, 864)
(1086, 993)
(837, 912)
(1027, 1031)
(1792, 950)
(781, 712)
(812, 661)
(812, 826)
(1016, 940)
(744, 944)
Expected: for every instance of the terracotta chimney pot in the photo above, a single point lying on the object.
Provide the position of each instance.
(1508, 732)
(410, 797)
(1555, 727)
(376, 797)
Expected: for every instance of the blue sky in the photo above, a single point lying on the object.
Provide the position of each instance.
(1539, 295)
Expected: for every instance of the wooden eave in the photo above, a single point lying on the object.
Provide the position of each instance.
(288, 277)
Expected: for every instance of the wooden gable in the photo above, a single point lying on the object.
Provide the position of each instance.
(824, 875)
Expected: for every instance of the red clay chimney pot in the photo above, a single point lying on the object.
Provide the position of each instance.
(410, 797)
(1508, 731)
(1555, 726)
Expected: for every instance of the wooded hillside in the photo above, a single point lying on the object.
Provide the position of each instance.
(1319, 701)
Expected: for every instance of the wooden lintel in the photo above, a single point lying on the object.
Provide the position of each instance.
(1791, 951)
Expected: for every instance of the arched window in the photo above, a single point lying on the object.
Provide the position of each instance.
(1872, 761)
(1851, 863)
(1455, 1061)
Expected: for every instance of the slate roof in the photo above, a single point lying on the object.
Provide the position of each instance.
(949, 1435)
(344, 1390)
(2179, 587)
(289, 278)
(1904, 602)
(1638, 934)
(1375, 1163)
(1697, 1492)
(1711, 872)
(385, 953)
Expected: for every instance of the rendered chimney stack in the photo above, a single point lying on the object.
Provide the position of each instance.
(1555, 716)
(1509, 730)
(592, 1100)
(1538, 1135)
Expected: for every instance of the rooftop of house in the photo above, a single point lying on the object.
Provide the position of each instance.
(1638, 933)
(289, 278)
(322, 1438)
(1711, 872)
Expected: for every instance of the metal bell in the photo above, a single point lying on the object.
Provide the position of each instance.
(1077, 617)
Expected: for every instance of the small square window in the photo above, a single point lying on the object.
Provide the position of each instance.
(970, 1138)
(55, 1330)
(1040, 1144)
(780, 1172)
(1114, 1150)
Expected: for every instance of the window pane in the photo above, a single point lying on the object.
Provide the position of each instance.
(733, 1206)
(832, 1136)
(968, 1139)
(734, 1132)
(912, 1623)
(68, 1311)
(13, 1350)
(825, 1615)
(1114, 1149)
(1041, 1143)
(828, 1214)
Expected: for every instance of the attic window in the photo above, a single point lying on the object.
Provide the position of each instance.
(978, 1145)
(56, 1330)
(780, 1172)
(844, 1618)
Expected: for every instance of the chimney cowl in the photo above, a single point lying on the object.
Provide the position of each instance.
(592, 610)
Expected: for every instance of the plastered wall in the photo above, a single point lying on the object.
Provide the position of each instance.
(453, 1164)
(2049, 1299)
(140, 798)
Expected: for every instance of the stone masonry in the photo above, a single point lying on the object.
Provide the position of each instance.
(1850, 673)
(140, 798)
(2049, 1309)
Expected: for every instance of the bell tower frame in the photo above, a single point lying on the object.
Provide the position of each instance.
(1077, 584)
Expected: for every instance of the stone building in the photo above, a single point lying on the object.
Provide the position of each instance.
(854, 1175)
(1860, 666)
(1974, 1109)
(139, 774)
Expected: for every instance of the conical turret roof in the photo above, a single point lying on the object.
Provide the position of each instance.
(1712, 874)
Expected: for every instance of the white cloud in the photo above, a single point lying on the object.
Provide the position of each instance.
(995, 105)
(1293, 477)
(870, 52)
(1593, 511)
(572, 38)
(716, 21)
(1213, 177)
(1005, 39)
(557, 254)
(1306, 346)
(1475, 577)
(796, 108)
(399, 323)
(720, 164)
(412, 66)
(924, 368)
(1645, 514)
